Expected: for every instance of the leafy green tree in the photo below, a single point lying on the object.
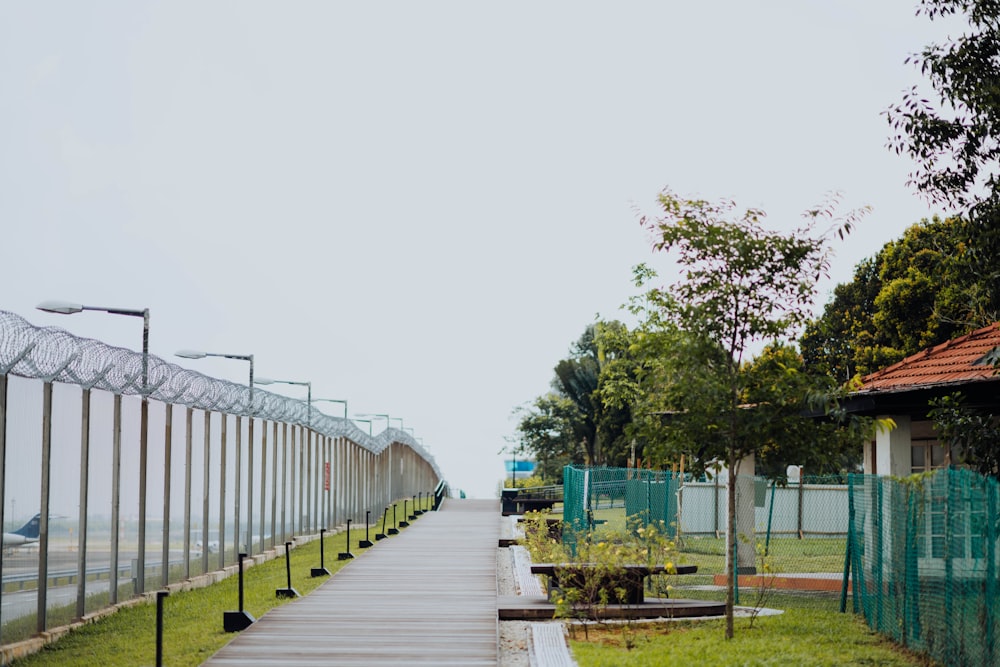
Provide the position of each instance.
(549, 431)
(916, 292)
(954, 137)
(571, 424)
(740, 285)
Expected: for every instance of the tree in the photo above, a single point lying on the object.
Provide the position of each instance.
(955, 141)
(571, 424)
(740, 285)
(916, 292)
(548, 431)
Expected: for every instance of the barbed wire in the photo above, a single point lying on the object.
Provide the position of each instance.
(55, 355)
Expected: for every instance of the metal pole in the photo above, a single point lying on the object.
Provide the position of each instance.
(116, 466)
(274, 480)
(3, 454)
(81, 557)
(205, 508)
(263, 485)
(167, 438)
(140, 577)
(160, 595)
(238, 491)
(188, 454)
(43, 524)
(249, 536)
(222, 492)
(240, 558)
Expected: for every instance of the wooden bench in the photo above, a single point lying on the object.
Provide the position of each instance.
(631, 578)
(523, 505)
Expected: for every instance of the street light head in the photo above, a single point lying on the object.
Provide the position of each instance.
(61, 307)
(191, 354)
(260, 380)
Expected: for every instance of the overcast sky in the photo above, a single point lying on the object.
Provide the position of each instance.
(418, 206)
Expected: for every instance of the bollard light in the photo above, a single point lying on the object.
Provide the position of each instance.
(393, 530)
(419, 504)
(288, 591)
(236, 621)
(404, 523)
(413, 512)
(347, 555)
(320, 571)
(365, 543)
(382, 536)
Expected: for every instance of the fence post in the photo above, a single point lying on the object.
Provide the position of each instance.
(989, 609)
(848, 552)
(802, 484)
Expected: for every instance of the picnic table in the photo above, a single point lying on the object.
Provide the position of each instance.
(632, 578)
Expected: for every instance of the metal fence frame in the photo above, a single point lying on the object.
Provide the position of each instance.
(319, 470)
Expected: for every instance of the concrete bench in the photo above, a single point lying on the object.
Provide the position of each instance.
(631, 578)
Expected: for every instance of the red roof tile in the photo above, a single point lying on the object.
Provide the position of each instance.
(956, 361)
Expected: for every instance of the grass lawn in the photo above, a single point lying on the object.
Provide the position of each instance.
(192, 625)
(800, 636)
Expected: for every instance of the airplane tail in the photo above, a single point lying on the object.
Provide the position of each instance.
(30, 529)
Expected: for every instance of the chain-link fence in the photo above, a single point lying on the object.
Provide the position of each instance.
(789, 537)
(923, 556)
(111, 487)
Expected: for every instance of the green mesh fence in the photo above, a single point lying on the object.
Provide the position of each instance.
(604, 499)
(923, 558)
(789, 537)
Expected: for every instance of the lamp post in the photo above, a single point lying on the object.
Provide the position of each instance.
(333, 400)
(309, 402)
(69, 308)
(389, 485)
(366, 421)
(196, 354)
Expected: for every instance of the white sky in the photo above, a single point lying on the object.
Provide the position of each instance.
(418, 206)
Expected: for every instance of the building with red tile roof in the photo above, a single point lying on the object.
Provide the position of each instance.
(903, 392)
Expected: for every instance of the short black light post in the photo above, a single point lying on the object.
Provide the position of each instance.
(419, 504)
(365, 543)
(393, 530)
(320, 571)
(413, 512)
(235, 621)
(404, 523)
(347, 555)
(288, 592)
(381, 536)
(160, 595)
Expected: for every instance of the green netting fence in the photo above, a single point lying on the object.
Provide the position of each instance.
(796, 534)
(923, 559)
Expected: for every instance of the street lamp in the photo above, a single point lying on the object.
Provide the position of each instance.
(386, 418)
(307, 385)
(374, 414)
(69, 308)
(366, 421)
(333, 400)
(197, 354)
(307, 452)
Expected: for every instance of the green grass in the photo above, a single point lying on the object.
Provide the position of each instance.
(800, 636)
(192, 619)
(785, 554)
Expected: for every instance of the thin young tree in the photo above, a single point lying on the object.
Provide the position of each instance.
(740, 286)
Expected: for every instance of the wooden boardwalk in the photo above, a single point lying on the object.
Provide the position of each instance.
(427, 596)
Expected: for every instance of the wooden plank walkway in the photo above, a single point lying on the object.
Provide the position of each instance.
(427, 596)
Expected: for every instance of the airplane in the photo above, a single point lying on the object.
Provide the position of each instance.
(26, 534)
